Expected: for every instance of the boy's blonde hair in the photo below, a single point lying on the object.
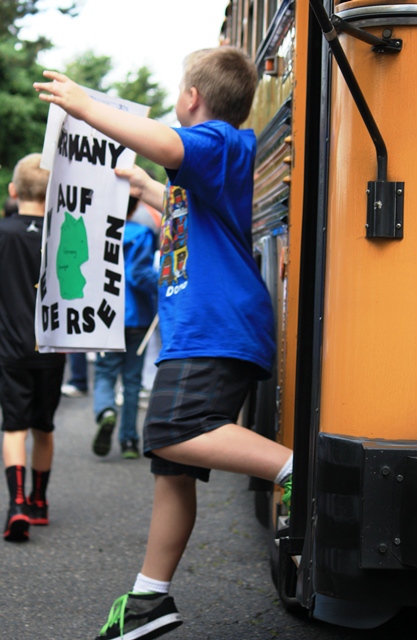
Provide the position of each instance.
(226, 78)
(30, 181)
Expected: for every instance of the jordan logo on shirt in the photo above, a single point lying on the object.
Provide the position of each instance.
(173, 240)
(33, 227)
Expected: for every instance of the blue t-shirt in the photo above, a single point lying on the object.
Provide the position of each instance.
(212, 299)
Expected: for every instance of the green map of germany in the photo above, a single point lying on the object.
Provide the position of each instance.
(72, 253)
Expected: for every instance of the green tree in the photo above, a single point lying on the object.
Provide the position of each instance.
(90, 70)
(11, 11)
(22, 115)
(140, 88)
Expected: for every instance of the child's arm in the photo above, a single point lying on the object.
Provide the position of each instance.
(148, 138)
(142, 186)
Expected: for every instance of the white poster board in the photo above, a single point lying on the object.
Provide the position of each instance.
(80, 301)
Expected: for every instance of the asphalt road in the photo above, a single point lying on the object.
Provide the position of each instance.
(61, 584)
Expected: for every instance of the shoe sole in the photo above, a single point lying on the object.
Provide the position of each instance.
(73, 393)
(102, 441)
(18, 529)
(153, 629)
(35, 517)
(79, 394)
(39, 522)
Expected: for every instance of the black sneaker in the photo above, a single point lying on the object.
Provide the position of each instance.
(145, 616)
(17, 524)
(129, 449)
(102, 441)
(37, 512)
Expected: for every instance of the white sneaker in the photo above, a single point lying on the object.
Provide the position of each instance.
(71, 391)
(143, 399)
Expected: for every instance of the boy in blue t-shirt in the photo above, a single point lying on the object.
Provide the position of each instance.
(216, 317)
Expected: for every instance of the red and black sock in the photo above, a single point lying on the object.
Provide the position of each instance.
(40, 481)
(16, 482)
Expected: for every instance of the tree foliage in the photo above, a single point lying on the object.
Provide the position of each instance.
(11, 11)
(23, 116)
(140, 88)
(90, 70)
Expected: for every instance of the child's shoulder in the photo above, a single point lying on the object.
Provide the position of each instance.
(11, 223)
(215, 132)
(221, 126)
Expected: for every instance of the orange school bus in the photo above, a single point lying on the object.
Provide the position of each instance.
(335, 234)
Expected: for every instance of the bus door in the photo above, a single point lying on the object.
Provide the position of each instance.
(359, 559)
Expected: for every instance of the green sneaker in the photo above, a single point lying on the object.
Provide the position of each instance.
(102, 440)
(286, 496)
(129, 449)
(144, 616)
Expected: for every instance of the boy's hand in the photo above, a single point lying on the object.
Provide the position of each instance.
(142, 186)
(65, 93)
(138, 179)
(153, 140)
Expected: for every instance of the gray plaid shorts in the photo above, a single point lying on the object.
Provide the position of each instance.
(190, 397)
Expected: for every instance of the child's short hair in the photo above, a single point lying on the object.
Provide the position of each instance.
(226, 78)
(30, 181)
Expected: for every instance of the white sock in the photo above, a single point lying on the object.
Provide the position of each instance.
(148, 585)
(284, 472)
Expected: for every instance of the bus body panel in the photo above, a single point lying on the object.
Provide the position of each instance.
(369, 338)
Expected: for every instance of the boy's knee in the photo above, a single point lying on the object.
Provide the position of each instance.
(43, 436)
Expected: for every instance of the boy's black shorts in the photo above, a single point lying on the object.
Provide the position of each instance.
(29, 397)
(190, 397)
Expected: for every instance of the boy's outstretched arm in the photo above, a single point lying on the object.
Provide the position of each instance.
(148, 138)
(142, 186)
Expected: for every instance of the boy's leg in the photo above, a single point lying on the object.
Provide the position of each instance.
(47, 396)
(231, 448)
(14, 458)
(15, 394)
(190, 400)
(14, 448)
(145, 613)
(132, 382)
(106, 369)
(42, 454)
(172, 522)
(43, 450)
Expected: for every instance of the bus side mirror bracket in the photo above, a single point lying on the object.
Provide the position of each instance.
(385, 209)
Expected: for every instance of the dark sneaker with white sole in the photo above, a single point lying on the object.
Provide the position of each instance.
(145, 616)
(17, 524)
(102, 440)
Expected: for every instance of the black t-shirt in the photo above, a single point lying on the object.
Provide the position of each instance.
(20, 260)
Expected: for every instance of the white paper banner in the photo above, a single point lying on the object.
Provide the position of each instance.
(80, 301)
